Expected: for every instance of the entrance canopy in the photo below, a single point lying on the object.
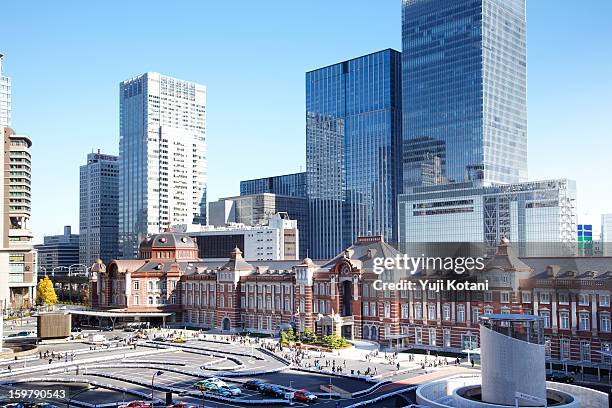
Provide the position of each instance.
(114, 314)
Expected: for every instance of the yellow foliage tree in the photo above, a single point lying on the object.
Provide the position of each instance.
(45, 294)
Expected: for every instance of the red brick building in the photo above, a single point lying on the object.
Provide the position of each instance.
(338, 296)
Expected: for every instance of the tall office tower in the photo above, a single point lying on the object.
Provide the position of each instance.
(606, 234)
(5, 98)
(18, 265)
(293, 185)
(353, 150)
(98, 209)
(464, 79)
(162, 157)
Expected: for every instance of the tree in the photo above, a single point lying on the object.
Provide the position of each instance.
(45, 294)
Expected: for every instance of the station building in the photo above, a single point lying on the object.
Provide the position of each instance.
(572, 295)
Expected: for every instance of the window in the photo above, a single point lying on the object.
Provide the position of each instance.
(446, 315)
(150, 286)
(564, 298)
(418, 294)
(546, 315)
(460, 313)
(606, 350)
(136, 299)
(604, 300)
(564, 322)
(136, 285)
(418, 335)
(475, 314)
(404, 310)
(544, 297)
(150, 300)
(505, 297)
(366, 308)
(418, 311)
(564, 345)
(547, 346)
(583, 299)
(432, 337)
(447, 338)
(488, 296)
(387, 310)
(604, 322)
(431, 312)
(526, 297)
(584, 321)
(585, 350)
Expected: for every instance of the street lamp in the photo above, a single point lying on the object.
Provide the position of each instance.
(88, 388)
(158, 373)
(77, 265)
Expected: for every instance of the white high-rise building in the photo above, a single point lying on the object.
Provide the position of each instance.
(5, 98)
(606, 234)
(162, 157)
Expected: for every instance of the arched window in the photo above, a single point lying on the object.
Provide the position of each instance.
(150, 300)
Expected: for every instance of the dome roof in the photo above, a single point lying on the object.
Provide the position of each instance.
(169, 240)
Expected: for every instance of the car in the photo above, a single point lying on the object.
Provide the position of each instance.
(262, 387)
(136, 404)
(25, 334)
(217, 381)
(233, 389)
(129, 329)
(274, 391)
(179, 340)
(559, 376)
(252, 385)
(205, 385)
(304, 396)
(158, 338)
(181, 404)
(224, 392)
(106, 328)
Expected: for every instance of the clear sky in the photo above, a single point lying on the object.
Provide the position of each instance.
(66, 59)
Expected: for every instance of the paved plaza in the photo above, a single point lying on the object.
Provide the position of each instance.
(121, 369)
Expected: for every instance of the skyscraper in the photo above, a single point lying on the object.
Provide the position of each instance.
(98, 208)
(293, 185)
(5, 98)
(353, 150)
(464, 88)
(162, 157)
(18, 264)
(606, 234)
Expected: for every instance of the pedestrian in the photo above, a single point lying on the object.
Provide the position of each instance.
(398, 366)
(9, 368)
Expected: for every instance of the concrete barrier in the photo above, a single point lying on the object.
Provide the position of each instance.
(382, 397)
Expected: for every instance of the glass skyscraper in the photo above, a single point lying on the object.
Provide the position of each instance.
(353, 150)
(162, 157)
(464, 91)
(293, 185)
(98, 208)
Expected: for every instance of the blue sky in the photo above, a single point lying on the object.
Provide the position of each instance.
(66, 60)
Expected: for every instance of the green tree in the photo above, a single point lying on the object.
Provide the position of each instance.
(45, 294)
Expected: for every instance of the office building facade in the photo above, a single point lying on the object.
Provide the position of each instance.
(538, 217)
(59, 254)
(464, 91)
(259, 209)
(18, 261)
(98, 208)
(279, 240)
(162, 157)
(293, 185)
(5, 98)
(606, 234)
(353, 143)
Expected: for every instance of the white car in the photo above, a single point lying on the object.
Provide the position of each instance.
(217, 381)
(233, 389)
